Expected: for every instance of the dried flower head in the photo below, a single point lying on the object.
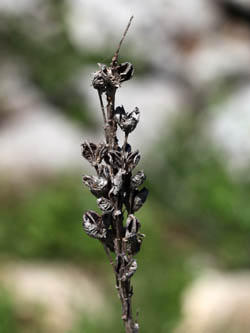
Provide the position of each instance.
(139, 199)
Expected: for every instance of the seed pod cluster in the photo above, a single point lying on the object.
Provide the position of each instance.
(116, 185)
(112, 77)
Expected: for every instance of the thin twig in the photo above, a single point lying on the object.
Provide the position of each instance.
(102, 107)
(125, 143)
(115, 57)
(109, 256)
(103, 114)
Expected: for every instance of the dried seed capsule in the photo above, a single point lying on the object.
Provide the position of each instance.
(132, 226)
(139, 199)
(93, 226)
(117, 183)
(107, 77)
(101, 79)
(97, 185)
(138, 179)
(125, 71)
(114, 158)
(105, 205)
(134, 244)
(130, 270)
(94, 153)
(132, 160)
(132, 237)
(127, 121)
(103, 171)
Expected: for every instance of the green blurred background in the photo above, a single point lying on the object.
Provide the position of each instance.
(198, 214)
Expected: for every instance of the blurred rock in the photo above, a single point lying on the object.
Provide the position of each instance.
(217, 302)
(228, 126)
(60, 291)
(35, 139)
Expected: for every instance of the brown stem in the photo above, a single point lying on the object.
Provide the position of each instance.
(115, 57)
(125, 143)
(123, 287)
(103, 113)
(112, 140)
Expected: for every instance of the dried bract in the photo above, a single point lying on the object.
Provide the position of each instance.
(94, 153)
(127, 121)
(134, 244)
(107, 77)
(103, 171)
(132, 237)
(132, 160)
(138, 179)
(125, 71)
(132, 226)
(130, 270)
(93, 226)
(97, 185)
(117, 183)
(139, 199)
(114, 158)
(105, 205)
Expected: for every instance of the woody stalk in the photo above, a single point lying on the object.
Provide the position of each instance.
(116, 185)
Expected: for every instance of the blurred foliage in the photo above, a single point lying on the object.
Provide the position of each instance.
(8, 321)
(207, 204)
(45, 223)
(196, 211)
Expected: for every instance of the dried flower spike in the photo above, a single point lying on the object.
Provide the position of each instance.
(114, 185)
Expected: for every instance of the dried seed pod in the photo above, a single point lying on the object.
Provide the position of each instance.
(138, 179)
(107, 77)
(93, 226)
(97, 185)
(132, 226)
(127, 121)
(125, 71)
(130, 270)
(101, 78)
(94, 153)
(134, 244)
(132, 160)
(105, 205)
(103, 171)
(114, 158)
(139, 199)
(132, 237)
(117, 183)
